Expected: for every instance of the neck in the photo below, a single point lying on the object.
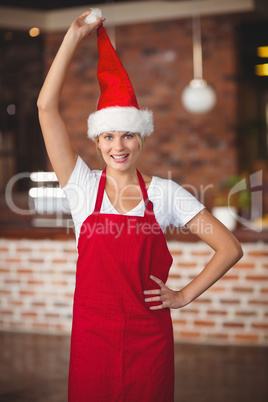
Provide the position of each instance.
(122, 178)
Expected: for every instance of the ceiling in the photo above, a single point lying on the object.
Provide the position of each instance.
(53, 4)
(45, 14)
(261, 5)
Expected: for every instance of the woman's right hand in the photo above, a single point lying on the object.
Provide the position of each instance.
(59, 147)
(83, 29)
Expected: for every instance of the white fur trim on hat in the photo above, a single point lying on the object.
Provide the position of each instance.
(118, 118)
(95, 13)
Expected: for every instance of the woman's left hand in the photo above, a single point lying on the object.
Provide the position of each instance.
(168, 297)
(83, 29)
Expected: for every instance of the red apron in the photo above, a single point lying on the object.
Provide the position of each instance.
(120, 349)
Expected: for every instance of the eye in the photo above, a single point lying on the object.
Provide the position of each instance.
(108, 137)
(128, 136)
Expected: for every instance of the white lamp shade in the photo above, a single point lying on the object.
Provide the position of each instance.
(198, 96)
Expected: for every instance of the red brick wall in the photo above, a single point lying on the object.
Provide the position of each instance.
(234, 310)
(158, 58)
(37, 279)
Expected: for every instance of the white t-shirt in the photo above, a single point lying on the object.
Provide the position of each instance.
(173, 205)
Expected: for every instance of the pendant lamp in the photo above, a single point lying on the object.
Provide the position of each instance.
(198, 97)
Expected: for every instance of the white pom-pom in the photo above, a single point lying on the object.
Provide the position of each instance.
(95, 13)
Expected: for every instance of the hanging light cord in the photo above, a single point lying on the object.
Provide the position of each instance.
(197, 48)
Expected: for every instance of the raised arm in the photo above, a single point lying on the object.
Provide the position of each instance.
(60, 152)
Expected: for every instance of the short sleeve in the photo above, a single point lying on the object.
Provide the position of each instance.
(185, 206)
(173, 205)
(81, 191)
(81, 174)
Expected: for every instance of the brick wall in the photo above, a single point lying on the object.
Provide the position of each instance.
(37, 276)
(235, 309)
(37, 279)
(158, 58)
(36, 285)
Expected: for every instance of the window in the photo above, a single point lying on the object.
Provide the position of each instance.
(21, 76)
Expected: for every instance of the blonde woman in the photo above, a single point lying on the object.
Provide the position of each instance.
(122, 339)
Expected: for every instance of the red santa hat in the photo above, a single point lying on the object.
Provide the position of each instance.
(117, 109)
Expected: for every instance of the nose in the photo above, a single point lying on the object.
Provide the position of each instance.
(119, 144)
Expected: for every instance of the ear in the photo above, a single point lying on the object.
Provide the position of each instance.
(97, 142)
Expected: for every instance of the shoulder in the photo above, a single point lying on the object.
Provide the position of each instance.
(155, 180)
(82, 165)
(174, 201)
(168, 189)
(157, 184)
(168, 185)
(82, 174)
(147, 179)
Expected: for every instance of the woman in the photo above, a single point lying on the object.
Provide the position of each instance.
(122, 341)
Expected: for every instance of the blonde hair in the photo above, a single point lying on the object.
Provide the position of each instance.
(140, 139)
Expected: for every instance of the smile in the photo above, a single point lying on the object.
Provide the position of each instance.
(119, 157)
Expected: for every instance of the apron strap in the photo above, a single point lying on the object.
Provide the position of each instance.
(148, 203)
(100, 192)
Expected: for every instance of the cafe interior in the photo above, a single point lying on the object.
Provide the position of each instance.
(201, 66)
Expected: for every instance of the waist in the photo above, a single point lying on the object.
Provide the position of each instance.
(126, 311)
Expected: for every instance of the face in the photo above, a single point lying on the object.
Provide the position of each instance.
(120, 150)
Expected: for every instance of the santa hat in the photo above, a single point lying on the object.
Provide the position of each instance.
(117, 109)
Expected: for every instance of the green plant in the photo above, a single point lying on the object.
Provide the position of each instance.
(227, 195)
